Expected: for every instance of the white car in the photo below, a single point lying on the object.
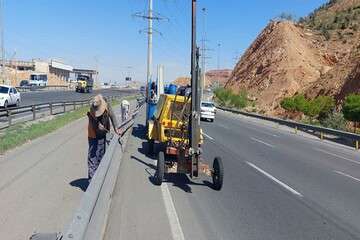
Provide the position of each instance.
(9, 96)
(208, 111)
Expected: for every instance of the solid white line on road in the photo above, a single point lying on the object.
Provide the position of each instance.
(275, 179)
(259, 141)
(347, 175)
(335, 155)
(176, 230)
(208, 136)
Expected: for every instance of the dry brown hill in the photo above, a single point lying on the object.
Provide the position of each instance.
(340, 21)
(317, 56)
(282, 61)
(213, 78)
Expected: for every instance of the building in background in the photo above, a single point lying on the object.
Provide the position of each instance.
(58, 72)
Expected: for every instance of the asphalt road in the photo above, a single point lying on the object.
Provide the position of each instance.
(277, 185)
(29, 98)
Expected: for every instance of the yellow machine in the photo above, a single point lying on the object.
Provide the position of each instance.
(170, 128)
(171, 118)
(84, 84)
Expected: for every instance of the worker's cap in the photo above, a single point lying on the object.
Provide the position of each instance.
(98, 105)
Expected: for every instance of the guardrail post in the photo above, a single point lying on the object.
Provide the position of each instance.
(321, 135)
(296, 129)
(51, 108)
(357, 144)
(33, 112)
(64, 105)
(74, 105)
(9, 117)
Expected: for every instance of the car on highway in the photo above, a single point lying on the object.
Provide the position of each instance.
(24, 83)
(9, 96)
(208, 111)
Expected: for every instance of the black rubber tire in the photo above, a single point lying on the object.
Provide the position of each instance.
(151, 146)
(6, 104)
(160, 169)
(18, 103)
(218, 174)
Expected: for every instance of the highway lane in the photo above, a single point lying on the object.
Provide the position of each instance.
(29, 98)
(277, 185)
(323, 174)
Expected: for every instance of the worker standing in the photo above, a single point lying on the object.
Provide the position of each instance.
(100, 115)
(125, 109)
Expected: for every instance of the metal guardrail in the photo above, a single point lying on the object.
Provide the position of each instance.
(40, 88)
(11, 113)
(301, 126)
(90, 217)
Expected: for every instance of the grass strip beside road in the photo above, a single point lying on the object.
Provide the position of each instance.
(21, 133)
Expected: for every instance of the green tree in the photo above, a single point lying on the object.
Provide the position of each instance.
(288, 104)
(351, 108)
(301, 104)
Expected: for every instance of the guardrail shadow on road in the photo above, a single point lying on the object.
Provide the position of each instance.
(139, 131)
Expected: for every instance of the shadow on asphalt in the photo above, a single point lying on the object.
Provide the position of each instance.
(152, 166)
(139, 131)
(81, 183)
(181, 181)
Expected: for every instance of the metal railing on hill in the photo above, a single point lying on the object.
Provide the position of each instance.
(301, 126)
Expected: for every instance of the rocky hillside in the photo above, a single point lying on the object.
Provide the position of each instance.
(213, 78)
(319, 55)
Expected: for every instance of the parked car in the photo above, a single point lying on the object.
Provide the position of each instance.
(24, 83)
(9, 96)
(208, 111)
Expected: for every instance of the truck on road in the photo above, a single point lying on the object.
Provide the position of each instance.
(84, 84)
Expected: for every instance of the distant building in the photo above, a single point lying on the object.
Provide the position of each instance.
(58, 72)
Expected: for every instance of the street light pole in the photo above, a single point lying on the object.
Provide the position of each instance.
(2, 41)
(149, 57)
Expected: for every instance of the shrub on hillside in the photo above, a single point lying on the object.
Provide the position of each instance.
(319, 107)
(227, 98)
(334, 120)
(351, 108)
(288, 104)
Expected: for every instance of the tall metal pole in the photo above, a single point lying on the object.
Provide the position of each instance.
(203, 64)
(218, 57)
(149, 57)
(194, 97)
(2, 41)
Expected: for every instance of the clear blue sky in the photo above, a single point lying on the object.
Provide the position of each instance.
(79, 31)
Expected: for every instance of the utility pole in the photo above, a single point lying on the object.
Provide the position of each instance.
(204, 56)
(97, 71)
(2, 41)
(195, 101)
(149, 57)
(218, 56)
(150, 30)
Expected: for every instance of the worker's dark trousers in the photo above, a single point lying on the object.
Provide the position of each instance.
(96, 153)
